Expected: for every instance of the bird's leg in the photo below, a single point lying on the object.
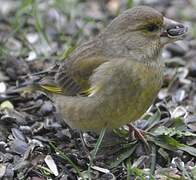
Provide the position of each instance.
(139, 134)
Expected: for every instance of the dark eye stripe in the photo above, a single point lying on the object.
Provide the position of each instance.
(152, 27)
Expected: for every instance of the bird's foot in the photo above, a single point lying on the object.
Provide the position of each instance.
(138, 134)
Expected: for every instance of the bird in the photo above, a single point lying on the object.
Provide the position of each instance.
(112, 79)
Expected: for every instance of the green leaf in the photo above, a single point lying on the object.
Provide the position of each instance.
(124, 154)
(25, 4)
(38, 22)
(98, 143)
(139, 161)
(139, 174)
(162, 130)
(129, 3)
(164, 154)
(171, 144)
(95, 150)
(67, 52)
(193, 172)
(153, 120)
(179, 124)
(189, 149)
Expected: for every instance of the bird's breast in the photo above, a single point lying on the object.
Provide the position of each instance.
(132, 91)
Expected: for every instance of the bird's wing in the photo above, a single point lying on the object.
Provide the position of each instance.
(73, 75)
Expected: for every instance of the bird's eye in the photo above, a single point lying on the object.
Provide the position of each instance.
(152, 27)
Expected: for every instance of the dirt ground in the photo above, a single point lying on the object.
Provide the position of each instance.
(35, 144)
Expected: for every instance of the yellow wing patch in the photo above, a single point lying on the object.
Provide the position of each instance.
(57, 90)
(91, 91)
(52, 89)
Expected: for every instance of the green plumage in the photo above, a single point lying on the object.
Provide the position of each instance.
(114, 78)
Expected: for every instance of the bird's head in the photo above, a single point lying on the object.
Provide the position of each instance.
(141, 31)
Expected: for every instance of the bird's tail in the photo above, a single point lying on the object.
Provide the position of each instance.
(41, 81)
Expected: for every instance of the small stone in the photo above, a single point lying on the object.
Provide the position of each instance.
(176, 50)
(32, 37)
(32, 56)
(179, 112)
(14, 45)
(17, 134)
(191, 122)
(179, 95)
(9, 171)
(193, 43)
(2, 87)
(2, 170)
(51, 164)
(19, 146)
(46, 108)
(6, 105)
(192, 69)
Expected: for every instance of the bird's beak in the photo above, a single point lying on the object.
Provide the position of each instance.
(172, 31)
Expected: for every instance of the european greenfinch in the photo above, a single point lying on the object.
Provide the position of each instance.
(114, 78)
